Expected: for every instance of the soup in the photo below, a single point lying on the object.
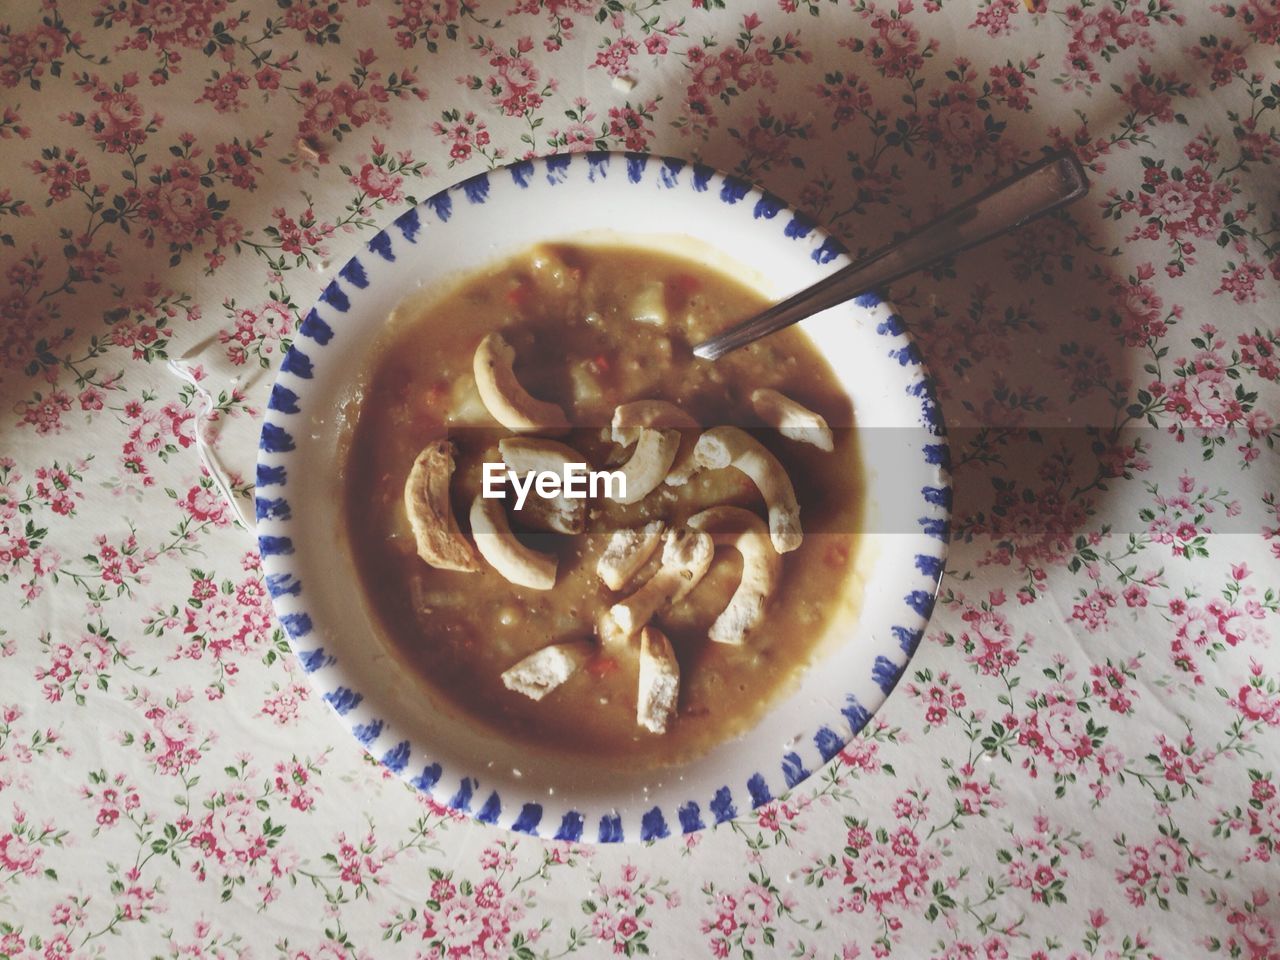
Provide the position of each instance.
(592, 335)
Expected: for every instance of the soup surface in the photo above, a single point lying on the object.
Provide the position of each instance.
(593, 327)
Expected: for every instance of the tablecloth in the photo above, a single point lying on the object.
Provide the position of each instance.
(1081, 760)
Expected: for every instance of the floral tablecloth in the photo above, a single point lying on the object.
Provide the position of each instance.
(1083, 758)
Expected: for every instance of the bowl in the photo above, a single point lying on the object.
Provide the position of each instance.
(679, 206)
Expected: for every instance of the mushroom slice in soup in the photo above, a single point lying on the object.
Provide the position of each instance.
(793, 420)
(509, 403)
(630, 418)
(659, 681)
(686, 557)
(649, 464)
(498, 545)
(734, 447)
(426, 501)
(543, 670)
(761, 568)
(526, 455)
(626, 552)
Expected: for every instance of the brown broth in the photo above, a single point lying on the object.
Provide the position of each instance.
(567, 311)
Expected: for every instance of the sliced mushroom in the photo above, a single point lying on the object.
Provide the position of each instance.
(659, 684)
(543, 670)
(734, 447)
(626, 552)
(508, 402)
(791, 419)
(686, 556)
(649, 464)
(426, 500)
(761, 567)
(629, 419)
(534, 455)
(499, 546)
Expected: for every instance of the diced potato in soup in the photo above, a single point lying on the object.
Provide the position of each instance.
(593, 327)
(650, 304)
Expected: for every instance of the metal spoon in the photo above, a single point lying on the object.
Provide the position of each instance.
(1044, 186)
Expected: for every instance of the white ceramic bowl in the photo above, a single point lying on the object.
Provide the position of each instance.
(723, 221)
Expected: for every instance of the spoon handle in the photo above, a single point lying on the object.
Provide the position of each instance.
(1044, 186)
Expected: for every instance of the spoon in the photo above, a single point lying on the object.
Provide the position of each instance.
(1051, 183)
